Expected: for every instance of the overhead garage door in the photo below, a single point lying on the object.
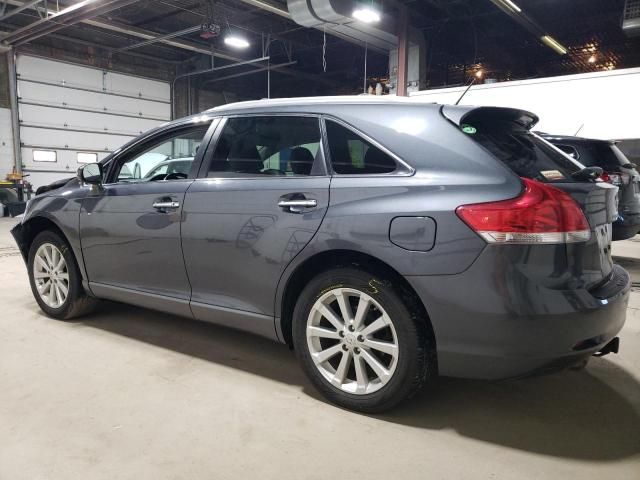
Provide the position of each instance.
(72, 114)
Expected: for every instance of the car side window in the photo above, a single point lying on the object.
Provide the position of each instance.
(268, 145)
(352, 154)
(169, 158)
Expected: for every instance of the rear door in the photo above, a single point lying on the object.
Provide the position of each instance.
(260, 197)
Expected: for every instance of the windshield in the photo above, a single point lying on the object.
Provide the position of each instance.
(525, 153)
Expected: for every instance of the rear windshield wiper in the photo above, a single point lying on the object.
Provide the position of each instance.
(587, 173)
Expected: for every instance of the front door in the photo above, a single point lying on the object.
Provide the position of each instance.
(260, 198)
(130, 228)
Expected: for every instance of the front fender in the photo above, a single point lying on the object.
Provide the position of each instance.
(59, 211)
(18, 235)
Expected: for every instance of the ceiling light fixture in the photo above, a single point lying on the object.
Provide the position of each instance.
(511, 6)
(552, 43)
(236, 41)
(366, 14)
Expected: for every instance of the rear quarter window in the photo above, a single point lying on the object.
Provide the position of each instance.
(525, 153)
(353, 155)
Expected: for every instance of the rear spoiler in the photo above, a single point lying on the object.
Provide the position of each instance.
(465, 114)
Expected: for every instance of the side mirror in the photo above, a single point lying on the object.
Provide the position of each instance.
(90, 173)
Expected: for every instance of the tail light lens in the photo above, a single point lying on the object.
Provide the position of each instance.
(613, 178)
(541, 214)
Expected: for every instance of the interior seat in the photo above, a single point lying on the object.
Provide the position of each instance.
(301, 161)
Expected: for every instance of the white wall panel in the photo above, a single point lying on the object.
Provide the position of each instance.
(36, 68)
(141, 87)
(602, 104)
(79, 140)
(72, 108)
(60, 118)
(102, 102)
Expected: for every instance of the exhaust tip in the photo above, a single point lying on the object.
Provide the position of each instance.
(612, 347)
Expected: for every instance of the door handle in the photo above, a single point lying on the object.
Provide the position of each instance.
(298, 203)
(166, 205)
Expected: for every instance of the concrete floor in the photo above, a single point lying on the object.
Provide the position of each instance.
(129, 393)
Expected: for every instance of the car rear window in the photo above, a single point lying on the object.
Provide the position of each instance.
(525, 153)
(601, 154)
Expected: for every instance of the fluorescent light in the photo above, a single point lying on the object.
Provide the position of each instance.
(366, 14)
(552, 43)
(511, 6)
(236, 41)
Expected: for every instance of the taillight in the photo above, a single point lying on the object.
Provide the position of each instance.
(541, 214)
(612, 178)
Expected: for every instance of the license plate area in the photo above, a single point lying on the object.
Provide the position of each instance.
(604, 235)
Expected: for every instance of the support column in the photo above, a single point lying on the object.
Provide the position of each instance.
(403, 52)
(13, 101)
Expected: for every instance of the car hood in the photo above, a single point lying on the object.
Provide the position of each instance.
(54, 185)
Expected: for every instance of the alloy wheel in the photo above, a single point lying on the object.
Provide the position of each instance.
(352, 341)
(51, 275)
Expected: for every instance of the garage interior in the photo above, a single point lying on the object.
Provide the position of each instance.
(131, 393)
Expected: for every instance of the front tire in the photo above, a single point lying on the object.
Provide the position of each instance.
(360, 340)
(55, 279)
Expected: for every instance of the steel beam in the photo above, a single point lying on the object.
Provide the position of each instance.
(19, 9)
(77, 12)
(192, 46)
(146, 35)
(159, 38)
(251, 72)
(222, 67)
(149, 35)
(269, 6)
(113, 50)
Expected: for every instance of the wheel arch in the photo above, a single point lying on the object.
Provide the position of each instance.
(330, 259)
(32, 226)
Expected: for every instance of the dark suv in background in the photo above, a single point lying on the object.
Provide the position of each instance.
(385, 240)
(617, 170)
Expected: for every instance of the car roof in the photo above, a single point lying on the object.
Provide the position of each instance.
(319, 103)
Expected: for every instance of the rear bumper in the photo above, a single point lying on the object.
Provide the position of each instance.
(488, 329)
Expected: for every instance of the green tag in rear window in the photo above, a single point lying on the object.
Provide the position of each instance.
(469, 129)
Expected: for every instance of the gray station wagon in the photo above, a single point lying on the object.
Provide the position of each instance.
(385, 240)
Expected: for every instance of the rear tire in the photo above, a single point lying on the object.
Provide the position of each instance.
(380, 356)
(55, 279)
